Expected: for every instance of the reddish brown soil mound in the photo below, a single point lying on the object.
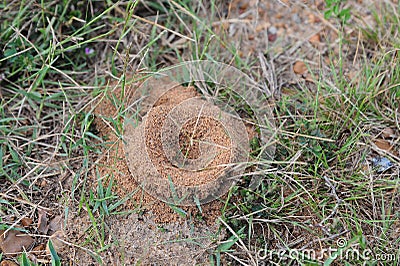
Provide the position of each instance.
(180, 119)
(113, 161)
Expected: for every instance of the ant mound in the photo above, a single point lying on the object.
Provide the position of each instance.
(185, 150)
(114, 164)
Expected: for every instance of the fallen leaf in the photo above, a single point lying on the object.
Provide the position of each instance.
(39, 252)
(43, 220)
(299, 68)
(8, 263)
(57, 241)
(26, 221)
(312, 78)
(383, 144)
(315, 39)
(43, 183)
(55, 224)
(388, 132)
(40, 247)
(14, 241)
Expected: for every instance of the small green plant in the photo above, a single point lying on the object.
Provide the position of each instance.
(335, 8)
(24, 261)
(102, 201)
(225, 247)
(55, 259)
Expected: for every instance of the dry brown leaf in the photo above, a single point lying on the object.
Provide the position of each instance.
(315, 39)
(40, 247)
(55, 224)
(26, 221)
(14, 241)
(43, 220)
(388, 132)
(57, 241)
(312, 78)
(8, 263)
(43, 183)
(299, 68)
(383, 144)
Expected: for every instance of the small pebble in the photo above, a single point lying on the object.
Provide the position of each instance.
(272, 33)
(382, 164)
